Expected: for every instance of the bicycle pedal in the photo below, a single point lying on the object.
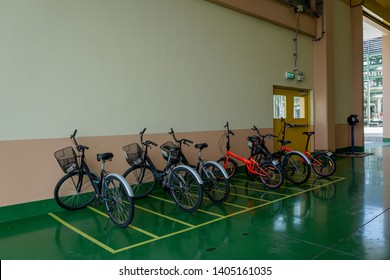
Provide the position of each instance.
(166, 189)
(96, 203)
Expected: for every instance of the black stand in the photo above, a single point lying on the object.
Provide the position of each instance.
(352, 140)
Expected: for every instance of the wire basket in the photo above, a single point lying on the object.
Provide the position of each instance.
(134, 154)
(170, 150)
(255, 142)
(67, 159)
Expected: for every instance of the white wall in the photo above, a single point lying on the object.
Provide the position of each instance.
(114, 67)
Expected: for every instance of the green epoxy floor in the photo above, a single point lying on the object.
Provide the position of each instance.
(344, 217)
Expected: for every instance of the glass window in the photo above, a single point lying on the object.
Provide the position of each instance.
(299, 107)
(279, 106)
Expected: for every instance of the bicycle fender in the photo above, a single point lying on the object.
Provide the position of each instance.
(124, 182)
(302, 155)
(222, 169)
(197, 176)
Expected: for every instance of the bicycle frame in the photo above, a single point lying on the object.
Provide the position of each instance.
(97, 182)
(250, 163)
(284, 149)
(147, 160)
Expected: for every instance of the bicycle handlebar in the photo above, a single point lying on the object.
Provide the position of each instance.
(228, 129)
(79, 147)
(181, 141)
(261, 135)
(148, 142)
(285, 123)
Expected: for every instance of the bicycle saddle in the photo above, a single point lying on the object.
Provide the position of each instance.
(201, 146)
(308, 133)
(104, 156)
(285, 142)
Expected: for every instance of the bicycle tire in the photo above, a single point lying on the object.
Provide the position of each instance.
(119, 204)
(271, 174)
(186, 188)
(326, 166)
(216, 189)
(295, 167)
(142, 180)
(73, 193)
(231, 167)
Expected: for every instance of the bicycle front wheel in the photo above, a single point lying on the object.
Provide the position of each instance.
(74, 192)
(186, 188)
(229, 165)
(271, 174)
(296, 168)
(323, 165)
(141, 179)
(118, 202)
(216, 189)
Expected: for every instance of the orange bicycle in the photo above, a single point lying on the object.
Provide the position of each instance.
(268, 172)
(295, 164)
(323, 163)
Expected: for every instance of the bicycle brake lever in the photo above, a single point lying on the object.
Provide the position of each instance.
(74, 134)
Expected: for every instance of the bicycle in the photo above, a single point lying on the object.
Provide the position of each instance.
(183, 183)
(80, 187)
(269, 173)
(322, 162)
(215, 179)
(295, 165)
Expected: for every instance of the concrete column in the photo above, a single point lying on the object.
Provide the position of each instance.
(357, 96)
(323, 51)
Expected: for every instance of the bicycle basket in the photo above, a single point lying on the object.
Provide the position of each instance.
(256, 142)
(169, 149)
(133, 153)
(67, 159)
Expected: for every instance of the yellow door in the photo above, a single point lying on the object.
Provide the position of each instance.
(293, 106)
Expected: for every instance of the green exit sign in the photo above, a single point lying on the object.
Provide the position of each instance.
(290, 75)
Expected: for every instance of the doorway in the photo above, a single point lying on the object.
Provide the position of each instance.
(293, 106)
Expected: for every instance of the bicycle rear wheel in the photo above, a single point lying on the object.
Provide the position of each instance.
(230, 167)
(324, 165)
(74, 192)
(118, 202)
(296, 168)
(141, 179)
(216, 189)
(271, 174)
(186, 188)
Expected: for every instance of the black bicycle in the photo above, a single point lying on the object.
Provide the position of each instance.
(215, 178)
(183, 183)
(80, 187)
(295, 164)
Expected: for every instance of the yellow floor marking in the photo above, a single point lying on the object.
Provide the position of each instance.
(262, 191)
(235, 205)
(249, 197)
(83, 234)
(164, 216)
(190, 227)
(130, 226)
(172, 202)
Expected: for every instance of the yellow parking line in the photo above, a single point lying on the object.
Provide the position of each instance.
(130, 226)
(83, 234)
(189, 226)
(164, 216)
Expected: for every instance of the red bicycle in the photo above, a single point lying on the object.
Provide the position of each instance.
(295, 164)
(268, 172)
(323, 163)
